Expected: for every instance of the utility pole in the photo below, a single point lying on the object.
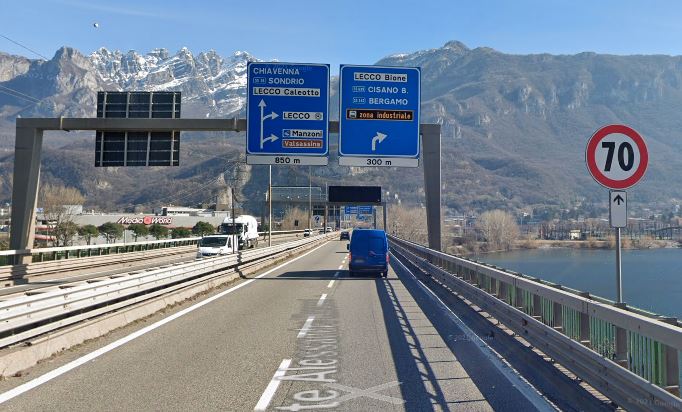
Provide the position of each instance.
(235, 244)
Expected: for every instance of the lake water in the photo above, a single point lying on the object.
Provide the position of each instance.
(652, 278)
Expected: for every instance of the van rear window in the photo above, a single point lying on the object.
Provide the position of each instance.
(377, 244)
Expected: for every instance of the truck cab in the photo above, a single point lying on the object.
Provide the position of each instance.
(244, 228)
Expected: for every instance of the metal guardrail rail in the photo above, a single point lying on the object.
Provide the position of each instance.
(57, 269)
(28, 316)
(632, 357)
(71, 252)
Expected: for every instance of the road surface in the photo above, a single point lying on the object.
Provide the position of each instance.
(303, 336)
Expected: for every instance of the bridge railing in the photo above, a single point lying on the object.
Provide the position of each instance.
(69, 252)
(630, 355)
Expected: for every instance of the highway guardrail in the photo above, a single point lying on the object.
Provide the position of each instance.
(632, 357)
(28, 316)
(7, 257)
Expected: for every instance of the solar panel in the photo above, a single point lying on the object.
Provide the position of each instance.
(138, 148)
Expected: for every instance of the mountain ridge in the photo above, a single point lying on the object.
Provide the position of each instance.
(514, 127)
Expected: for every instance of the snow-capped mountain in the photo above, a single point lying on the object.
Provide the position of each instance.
(67, 84)
(217, 83)
(513, 126)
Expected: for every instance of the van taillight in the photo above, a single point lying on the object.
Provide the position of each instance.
(350, 256)
(386, 257)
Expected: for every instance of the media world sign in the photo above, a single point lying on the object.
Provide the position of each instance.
(145, 220)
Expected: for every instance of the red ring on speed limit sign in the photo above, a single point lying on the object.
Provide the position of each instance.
(591, 156)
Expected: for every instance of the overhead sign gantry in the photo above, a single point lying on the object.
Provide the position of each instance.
(379, 119)
(287, 114)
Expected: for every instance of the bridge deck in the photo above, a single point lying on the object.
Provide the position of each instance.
(369, 344)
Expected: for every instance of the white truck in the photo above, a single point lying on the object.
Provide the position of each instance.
(244, 228)
(213, 245)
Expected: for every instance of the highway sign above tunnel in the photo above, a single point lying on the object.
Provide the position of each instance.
(287, 113)
(379, 119)
(616, 156)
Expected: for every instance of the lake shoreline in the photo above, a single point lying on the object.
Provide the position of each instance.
(532, 244)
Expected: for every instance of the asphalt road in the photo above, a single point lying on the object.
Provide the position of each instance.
(303, 337)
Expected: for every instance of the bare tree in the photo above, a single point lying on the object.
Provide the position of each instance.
(499, 229)
(407, 223)
(59, 205)
(292, 216)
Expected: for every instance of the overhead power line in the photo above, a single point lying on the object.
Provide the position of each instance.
(16, 93)
(22, 46)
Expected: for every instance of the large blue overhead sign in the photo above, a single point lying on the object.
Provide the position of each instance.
(287, 114)
(379, 119)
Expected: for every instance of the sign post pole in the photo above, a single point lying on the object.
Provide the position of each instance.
(618, 218)
(269, 205)
(619, 279)
(617, 158)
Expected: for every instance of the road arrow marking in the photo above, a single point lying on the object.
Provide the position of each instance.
(618, 199)
(263, 118)
(378, 139)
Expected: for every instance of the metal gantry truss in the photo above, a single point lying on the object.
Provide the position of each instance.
(29, 142)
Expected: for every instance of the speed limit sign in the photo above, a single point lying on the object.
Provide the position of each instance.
(616, 156)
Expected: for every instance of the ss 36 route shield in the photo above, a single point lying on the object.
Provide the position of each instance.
(287, 113)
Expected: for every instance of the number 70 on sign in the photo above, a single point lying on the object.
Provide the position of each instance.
(616, 156)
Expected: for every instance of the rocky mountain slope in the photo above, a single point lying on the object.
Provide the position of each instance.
(514, 126)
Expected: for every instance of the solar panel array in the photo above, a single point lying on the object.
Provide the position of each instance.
(138, 148)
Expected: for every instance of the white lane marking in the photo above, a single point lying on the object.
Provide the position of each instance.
(331, 283)
(336, 275)
(322, 298)
(306, 326)
(271, 389)
(12, 393)
(518, 381)
(340, 267)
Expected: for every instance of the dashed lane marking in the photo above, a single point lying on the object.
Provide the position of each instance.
(322, 298)
(331, 283)
(271, 389)
(13, 393)
(306, 326)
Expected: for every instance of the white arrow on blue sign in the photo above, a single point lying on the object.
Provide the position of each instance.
(287, 115)
(379, 116)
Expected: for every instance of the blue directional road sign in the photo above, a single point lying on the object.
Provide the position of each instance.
(287, 114)
(379, 119)
(351, 210)
(365, 210)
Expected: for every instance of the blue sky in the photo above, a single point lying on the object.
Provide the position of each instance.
(335, 32)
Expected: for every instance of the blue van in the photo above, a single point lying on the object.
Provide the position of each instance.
(368, 252)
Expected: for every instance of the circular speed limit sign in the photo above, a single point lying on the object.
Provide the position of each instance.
(616, 156)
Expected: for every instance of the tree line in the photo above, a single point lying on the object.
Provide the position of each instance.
(65, 232)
